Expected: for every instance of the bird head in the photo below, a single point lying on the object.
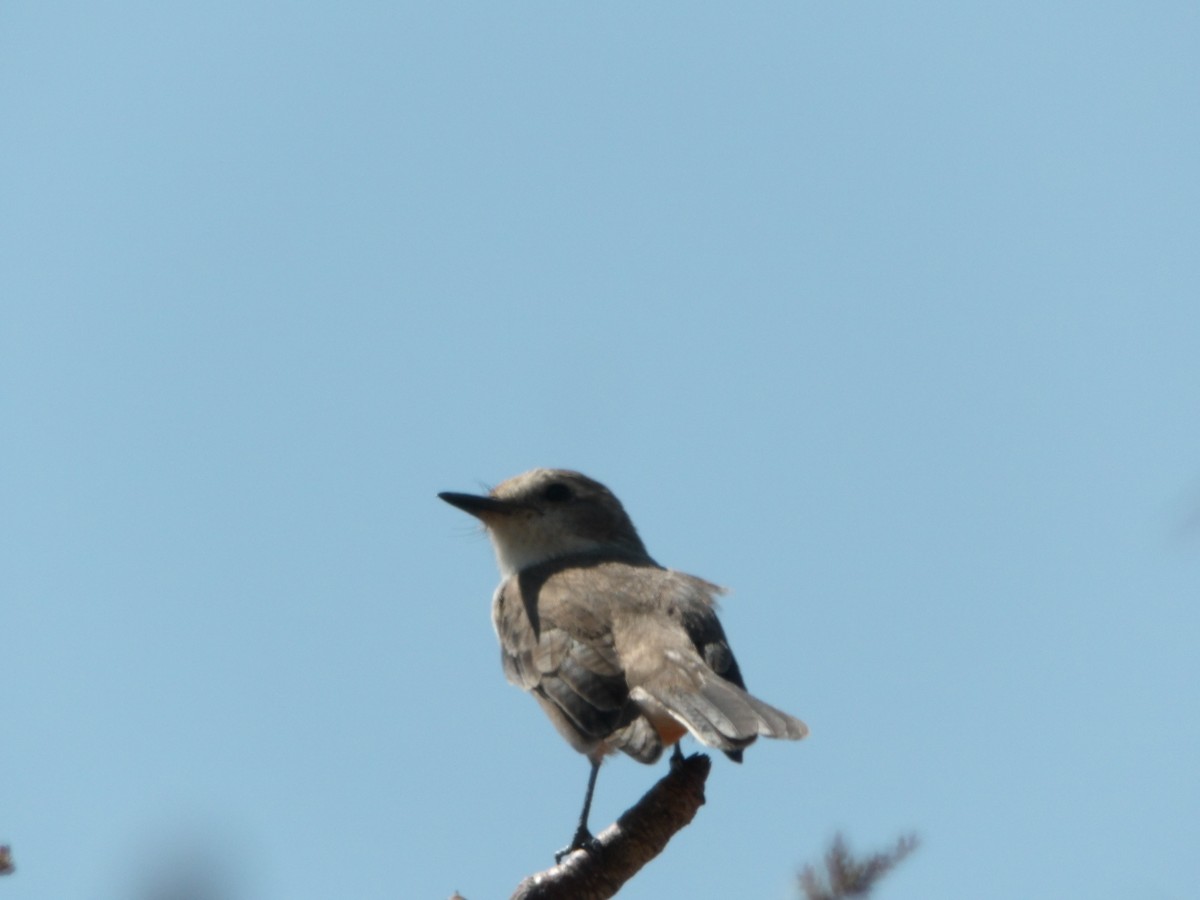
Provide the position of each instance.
(547, 514)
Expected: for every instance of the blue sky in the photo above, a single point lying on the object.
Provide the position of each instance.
(885, 316)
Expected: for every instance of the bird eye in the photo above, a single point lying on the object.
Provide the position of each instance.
(557, 492)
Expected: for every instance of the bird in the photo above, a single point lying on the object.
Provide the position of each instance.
(622, 654)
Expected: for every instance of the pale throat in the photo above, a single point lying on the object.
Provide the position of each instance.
(520, 549)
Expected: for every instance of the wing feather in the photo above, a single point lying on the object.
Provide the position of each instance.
(611, 647)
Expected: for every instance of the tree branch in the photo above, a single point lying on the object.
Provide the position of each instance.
(624, 847)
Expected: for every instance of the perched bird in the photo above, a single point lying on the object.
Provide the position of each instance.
(620, 653)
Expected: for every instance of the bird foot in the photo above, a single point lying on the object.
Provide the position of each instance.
(677, 759)
(583, 840)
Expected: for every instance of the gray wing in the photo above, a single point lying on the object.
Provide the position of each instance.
(708, 637)
(691, 671)
(609, 647)
(560, 651)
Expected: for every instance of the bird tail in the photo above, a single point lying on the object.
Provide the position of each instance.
(720, 714)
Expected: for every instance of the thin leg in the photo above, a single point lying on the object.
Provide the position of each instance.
(583, 839)
(676, 757)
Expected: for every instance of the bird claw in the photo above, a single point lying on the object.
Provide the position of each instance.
(677, 759)
(583, 840)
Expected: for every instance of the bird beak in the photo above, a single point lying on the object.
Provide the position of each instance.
(479, 507)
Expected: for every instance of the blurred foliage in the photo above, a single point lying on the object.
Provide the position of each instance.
(848, 876)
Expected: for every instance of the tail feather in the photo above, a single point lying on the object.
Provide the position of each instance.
(722, 715)
(639, 740)
(708, 722)
(774, 722)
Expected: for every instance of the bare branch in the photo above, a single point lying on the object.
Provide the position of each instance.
(623, 848)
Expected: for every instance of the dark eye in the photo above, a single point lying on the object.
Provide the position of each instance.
(557, 492)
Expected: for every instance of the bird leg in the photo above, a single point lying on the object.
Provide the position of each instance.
(583, 839)
(676, 757)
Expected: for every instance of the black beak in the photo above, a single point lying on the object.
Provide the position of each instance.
(476, 505)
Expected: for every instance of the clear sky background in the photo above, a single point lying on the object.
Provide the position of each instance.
(885, 315)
